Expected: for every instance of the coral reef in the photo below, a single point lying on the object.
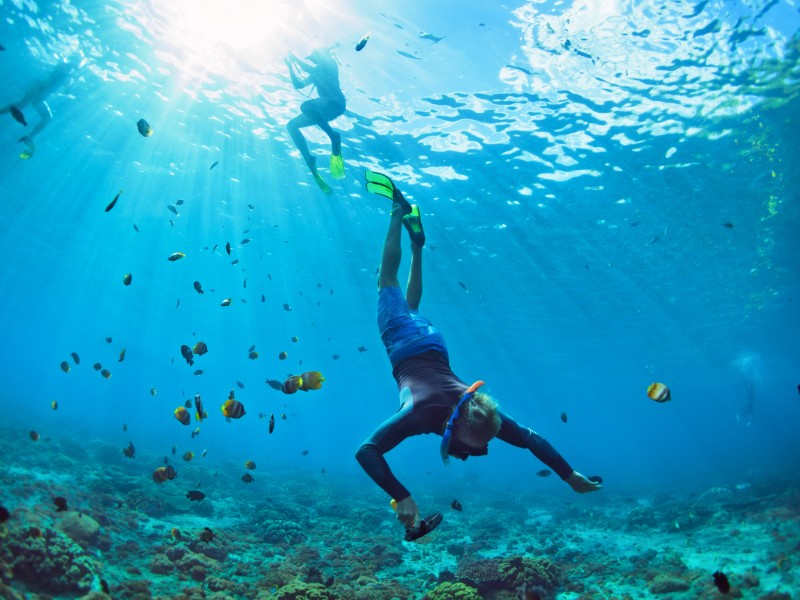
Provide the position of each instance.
(300, 590)
(453, 591)
(484, 574)
(518, 571)
(47, 560)
(80, 528)
(280, 532)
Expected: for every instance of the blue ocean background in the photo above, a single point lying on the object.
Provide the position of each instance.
(609, 192)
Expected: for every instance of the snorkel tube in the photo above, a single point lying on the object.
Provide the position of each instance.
(448, 430)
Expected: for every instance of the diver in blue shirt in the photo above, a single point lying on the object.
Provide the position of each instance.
(432, 398)
(319, 70)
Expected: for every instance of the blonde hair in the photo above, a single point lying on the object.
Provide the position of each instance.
(481, 418)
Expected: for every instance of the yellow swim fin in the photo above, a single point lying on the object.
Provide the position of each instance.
(337, 166)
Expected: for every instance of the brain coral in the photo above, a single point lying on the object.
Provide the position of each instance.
(517, 571)
(300, 590)
(280, 532)
(453, 591)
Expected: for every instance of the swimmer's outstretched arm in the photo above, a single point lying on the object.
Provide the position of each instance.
(294, 63)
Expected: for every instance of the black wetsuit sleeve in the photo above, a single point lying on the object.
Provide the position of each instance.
(513, 433)
(404, 423)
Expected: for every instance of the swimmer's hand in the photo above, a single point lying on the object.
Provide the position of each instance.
(407, 512)
(582, 484)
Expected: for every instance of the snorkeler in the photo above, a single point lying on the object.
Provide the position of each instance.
(432, 398)
(746, 414)
(322, 72)
(36, 96)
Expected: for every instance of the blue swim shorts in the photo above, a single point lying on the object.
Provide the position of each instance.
(404, 331)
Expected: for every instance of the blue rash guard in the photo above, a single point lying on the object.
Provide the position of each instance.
(429, 390)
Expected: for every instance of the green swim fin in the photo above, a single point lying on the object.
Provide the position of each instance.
(31, 147)
(378, 183)
(322, 184)
(413, 223)
(337, 166)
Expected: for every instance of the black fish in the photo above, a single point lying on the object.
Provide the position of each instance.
(198, 404)
(130, 451)
(172, 209)
(722, 583)
(544, 473)
(18, 116)
(136, 228)
(113, 202)
(76, 358)
(144, 128)
(274, 384)
(287, 308)
(198, 287)
(240, 384)
(362, 42)
(195, 495)
(228, 248)
(431, 37)
(247, 478)
(728, 225)
(362, 348)
(563, 417)
(463, 285)
(407, 55)
(214, 164)
(179, 202)
(271, 423)
(4, 514)
(61, 503)
(456, 505)
(186, 352)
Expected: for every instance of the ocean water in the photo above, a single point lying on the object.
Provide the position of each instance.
(609, 191)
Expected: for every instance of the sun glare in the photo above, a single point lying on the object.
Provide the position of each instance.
(203, 27)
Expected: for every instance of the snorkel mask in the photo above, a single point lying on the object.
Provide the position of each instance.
(447, 436)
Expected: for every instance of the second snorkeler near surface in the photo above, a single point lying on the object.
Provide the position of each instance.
(36, 96)
(432, 398)
(320, 70)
